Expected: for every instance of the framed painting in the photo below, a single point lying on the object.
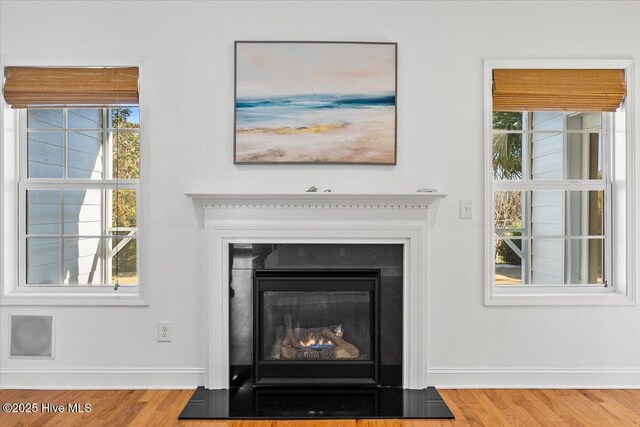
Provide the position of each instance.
(315, 102)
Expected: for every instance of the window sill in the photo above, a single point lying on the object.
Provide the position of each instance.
(16, 298)
(522, 297)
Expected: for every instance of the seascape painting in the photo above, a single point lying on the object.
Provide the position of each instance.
(315, 102)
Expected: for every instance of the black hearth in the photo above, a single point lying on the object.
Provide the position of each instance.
(316, 327)
(274, 403)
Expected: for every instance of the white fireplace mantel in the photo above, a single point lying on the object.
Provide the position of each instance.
(415, 200)
(341, 218)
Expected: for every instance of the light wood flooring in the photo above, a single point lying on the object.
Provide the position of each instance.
(471, 408)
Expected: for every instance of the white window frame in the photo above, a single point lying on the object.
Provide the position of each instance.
(12, 291)
(622, 288)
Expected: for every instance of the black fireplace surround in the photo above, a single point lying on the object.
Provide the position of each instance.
(316, 327)
(336, 309)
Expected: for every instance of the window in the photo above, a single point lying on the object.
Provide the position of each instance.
(551, 193)
(73, 173)
(78, 187)
(556, 187)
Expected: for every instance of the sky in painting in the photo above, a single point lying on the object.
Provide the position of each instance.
(281, 69)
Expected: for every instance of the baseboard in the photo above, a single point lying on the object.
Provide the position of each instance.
(101, 378)
(534, 378)
(187, 378)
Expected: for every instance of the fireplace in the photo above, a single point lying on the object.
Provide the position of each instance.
(244, 232)
(316, 326)
(257, 235)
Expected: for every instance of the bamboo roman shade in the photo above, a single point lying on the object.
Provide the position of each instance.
(558, 90)
(27, 87)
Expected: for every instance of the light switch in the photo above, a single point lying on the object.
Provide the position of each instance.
(465, 209)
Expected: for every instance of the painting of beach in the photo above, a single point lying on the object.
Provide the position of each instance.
(315, 102)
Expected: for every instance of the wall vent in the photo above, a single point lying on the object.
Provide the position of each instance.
(32, 336)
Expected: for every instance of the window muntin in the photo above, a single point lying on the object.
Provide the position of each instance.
(551, 197)
(79, 189)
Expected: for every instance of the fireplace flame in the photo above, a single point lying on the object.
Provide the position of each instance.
(312, 342)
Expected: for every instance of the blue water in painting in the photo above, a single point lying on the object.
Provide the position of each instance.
(306, 110)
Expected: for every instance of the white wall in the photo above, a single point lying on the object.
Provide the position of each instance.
(441, 48)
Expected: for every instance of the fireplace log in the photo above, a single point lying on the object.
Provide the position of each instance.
(327, 353)
(308, 354)
(303, 334)
(276, 349)
(287, 343)
(289, 337)
(343, 349)
(289, 352)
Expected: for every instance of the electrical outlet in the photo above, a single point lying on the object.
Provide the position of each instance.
(165, 331)
(465, 209)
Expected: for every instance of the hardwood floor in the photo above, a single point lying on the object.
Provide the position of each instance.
(471, 408)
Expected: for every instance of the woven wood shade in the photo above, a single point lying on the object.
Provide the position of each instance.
(27, 87)
(558, 90)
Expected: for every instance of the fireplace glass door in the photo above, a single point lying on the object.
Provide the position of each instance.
(316, 326)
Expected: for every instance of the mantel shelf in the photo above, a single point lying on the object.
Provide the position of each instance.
(319, 199)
